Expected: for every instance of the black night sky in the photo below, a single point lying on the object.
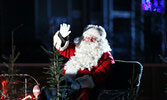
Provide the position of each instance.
(39, 16)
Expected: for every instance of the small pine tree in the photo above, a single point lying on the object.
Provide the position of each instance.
(11, 92)
(55, 74)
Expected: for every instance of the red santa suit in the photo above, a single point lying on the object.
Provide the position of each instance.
(89, 73)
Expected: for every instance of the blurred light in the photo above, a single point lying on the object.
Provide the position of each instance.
(4, 85)
(153, 5)
(27, 97)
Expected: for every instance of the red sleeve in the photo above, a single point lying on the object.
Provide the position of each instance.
(69, 51)
(100, 72)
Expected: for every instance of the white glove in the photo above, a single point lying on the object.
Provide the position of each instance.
(86, 81)
(64, 30)
(75, 85)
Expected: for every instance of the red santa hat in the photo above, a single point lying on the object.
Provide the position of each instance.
(95, 30)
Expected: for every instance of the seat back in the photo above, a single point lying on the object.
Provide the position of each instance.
(124, 75)
(123, 81)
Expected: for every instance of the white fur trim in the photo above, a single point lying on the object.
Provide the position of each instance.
(77, 40)
(57, 42)
(93, 32)
(86, 81)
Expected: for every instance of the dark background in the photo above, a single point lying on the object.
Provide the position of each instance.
(38, 17)
(133, 34)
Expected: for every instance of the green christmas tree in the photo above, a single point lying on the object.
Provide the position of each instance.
(9, 75)
(54, 72)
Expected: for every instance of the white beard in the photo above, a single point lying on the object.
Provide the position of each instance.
(86, 56)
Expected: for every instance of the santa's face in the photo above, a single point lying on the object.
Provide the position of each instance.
(90, 38)
(91, 35)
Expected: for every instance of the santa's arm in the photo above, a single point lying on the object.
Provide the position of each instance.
(61, 38)
(61, 41)
(100, 74)
(97, 77)
(63, 45)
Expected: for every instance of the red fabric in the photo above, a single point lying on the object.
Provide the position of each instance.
(4, 84)
(69, 51)
(98, 73)
(82, 94)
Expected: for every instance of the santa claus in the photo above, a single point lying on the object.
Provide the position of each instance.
(89, 59)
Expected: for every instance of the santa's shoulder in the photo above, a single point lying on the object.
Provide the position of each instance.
(108, 55)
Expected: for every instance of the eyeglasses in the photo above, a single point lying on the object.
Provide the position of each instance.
(90, 38)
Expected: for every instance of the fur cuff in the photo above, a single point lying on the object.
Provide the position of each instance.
(86, 81)
(57, 42)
